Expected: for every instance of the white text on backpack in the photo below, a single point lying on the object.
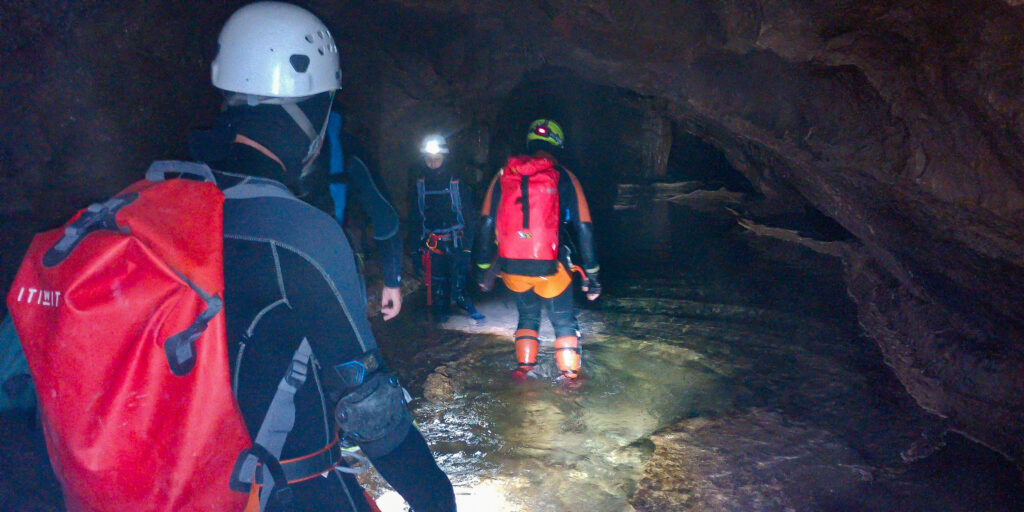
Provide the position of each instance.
(49, 298)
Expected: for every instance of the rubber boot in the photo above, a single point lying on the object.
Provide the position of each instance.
(567, 356)
(527, 345)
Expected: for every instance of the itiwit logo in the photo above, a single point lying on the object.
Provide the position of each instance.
(49, 298)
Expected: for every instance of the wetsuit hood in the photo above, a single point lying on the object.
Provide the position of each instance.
(270, 126)
(442, 170)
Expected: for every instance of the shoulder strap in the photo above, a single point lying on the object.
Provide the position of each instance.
(421, 195)
(163, 170)
(277, 424)
(453, 189)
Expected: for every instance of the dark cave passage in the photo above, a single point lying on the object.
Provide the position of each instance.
(807, 217)
(715, 360)
(603, 129)
(709, 335)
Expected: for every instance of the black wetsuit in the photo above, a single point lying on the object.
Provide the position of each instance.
(452, 219)
(290, 276)
(361, 179)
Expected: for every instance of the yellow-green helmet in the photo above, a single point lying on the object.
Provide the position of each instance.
(546, 130)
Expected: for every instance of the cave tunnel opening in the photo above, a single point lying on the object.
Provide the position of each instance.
(631, 159)
(667, 195)
(662, 190)
(692, 158)
(595, 120)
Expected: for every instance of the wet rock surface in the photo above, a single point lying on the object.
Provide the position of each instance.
(753, 461)
(733, 378)
(899, 120)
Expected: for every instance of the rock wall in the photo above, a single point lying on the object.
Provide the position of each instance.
(901, 120)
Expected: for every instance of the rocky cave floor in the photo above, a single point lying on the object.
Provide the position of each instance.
(722, 372)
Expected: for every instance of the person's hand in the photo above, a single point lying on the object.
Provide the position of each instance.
(390, 302)
(592, 287)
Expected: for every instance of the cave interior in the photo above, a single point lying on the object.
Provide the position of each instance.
(886, 136)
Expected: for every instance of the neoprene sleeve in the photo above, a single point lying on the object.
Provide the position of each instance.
(384, 219)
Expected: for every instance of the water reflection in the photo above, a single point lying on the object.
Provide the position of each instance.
(542, 445)
(717, 341)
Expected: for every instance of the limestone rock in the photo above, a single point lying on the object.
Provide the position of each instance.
(750, 462)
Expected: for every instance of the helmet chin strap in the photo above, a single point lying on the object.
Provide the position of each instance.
(290, 106)
(316, 138)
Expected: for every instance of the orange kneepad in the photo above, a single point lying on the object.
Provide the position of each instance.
(526, 348)
(567, 355)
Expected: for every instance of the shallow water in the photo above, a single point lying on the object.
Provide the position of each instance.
(548, 444)
(725, 372)
(698, 327)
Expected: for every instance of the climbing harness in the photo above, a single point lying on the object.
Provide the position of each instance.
(452, 190)
(434, 238)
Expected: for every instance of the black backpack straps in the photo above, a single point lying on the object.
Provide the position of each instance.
(180, 348)
(98, 216)
(269, 442)
(524, 188)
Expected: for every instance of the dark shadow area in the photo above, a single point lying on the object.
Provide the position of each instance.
(27, 482)
(598, 120)
(693, 159)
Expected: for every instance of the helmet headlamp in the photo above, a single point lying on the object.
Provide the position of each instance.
(434, 145)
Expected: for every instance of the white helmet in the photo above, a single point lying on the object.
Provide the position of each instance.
(434, 145)
(274, 49)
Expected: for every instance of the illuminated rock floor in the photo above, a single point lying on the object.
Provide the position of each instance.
(721, 373)
(728, 377)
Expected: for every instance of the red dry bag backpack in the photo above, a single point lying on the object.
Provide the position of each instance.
(121, 318)
(527, 218)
